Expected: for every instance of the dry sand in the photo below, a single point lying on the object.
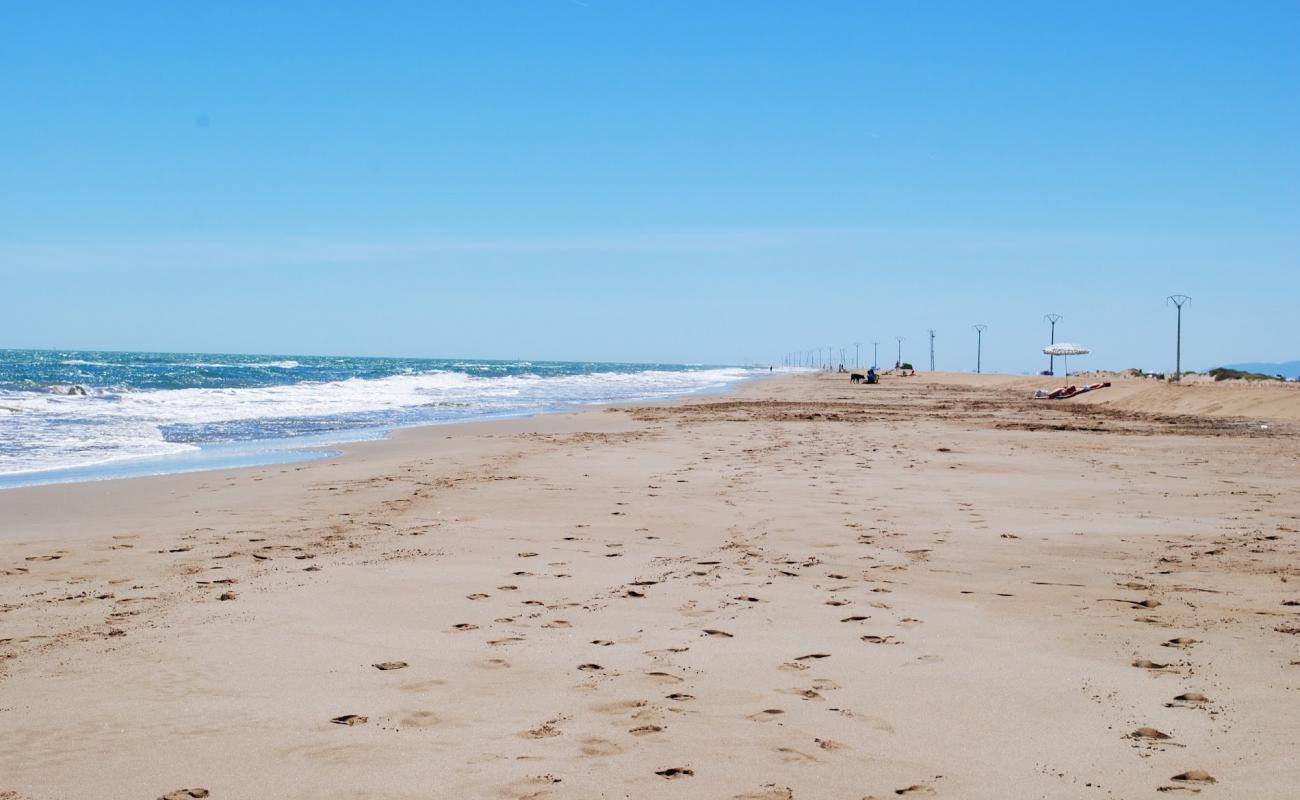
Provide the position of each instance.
(800, 589)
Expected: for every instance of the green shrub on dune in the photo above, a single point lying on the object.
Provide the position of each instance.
(1226, 374)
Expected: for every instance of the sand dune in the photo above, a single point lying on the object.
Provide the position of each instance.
(935, 587)
(1195, 396)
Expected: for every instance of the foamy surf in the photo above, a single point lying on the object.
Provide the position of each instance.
(123, 409)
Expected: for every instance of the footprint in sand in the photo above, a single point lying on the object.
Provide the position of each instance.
(645, 729)
(766, 715)
(600, 747)
(1194, 776)
(1181, 641)
(506, 640)
(680, 696)
(601, 642)
(830, 744)
(526, 789)
(717, 633)
(45, 558)
(807, 694)
(558, 623)
(494, 663)
(464, 626)
(793, 666)
(1149, 733)
(477, 596)
(619, 707)
(768, 792)
(384, 666)
(184, 794)
(673, 773)
(1143, 663)
(880, 640)
(793, 756)
(916, 790)
(419, 719)
(855, 619)
(350, 719)
(664, 677)
(1148, 603)
(590, 667)
(1190, 697)
(1135, 586)
(811, 656)
(544, 731)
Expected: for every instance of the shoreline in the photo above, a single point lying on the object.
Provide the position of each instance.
(793, 589)
(217, 456)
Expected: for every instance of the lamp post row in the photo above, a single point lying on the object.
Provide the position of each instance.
(1176, 300)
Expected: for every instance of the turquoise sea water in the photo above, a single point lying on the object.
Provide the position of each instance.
(84, 415)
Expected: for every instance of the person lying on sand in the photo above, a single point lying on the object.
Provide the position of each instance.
(1062, 392)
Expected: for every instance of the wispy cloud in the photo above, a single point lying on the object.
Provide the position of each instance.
(271, 252)
(304, 250)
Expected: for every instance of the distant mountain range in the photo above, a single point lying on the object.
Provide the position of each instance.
(1288, 369)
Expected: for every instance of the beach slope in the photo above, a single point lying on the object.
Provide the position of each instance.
(801, 588)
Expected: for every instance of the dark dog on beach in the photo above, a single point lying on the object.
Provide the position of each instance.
(857, 377)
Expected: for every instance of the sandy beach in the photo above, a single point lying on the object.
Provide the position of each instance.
(797, 589)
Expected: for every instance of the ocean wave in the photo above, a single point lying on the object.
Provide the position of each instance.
(51, 430)
(289, 364)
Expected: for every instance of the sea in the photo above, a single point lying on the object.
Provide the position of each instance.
(74, 415)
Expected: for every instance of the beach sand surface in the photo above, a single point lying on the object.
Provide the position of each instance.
(798, 589)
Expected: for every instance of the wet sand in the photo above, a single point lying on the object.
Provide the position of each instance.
(802, 588)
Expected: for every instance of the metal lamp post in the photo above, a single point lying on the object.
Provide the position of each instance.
(1051, 360)
(1179, 300)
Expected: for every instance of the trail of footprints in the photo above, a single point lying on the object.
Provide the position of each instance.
(663, 690)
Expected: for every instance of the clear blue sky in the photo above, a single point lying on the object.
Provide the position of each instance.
(682, 181)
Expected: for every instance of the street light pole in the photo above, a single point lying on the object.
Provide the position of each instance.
(1179, 300)
(856, 362)
(899, 364)
(1051, 359)
(932, 349)
(979, 345)
(875, 355)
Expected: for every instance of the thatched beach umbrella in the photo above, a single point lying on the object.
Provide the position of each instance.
(1065, 349)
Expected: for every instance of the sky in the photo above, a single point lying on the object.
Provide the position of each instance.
(701, 182)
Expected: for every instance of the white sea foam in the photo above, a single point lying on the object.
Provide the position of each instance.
(47, 431)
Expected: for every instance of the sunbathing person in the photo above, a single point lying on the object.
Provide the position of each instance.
(1062, 392)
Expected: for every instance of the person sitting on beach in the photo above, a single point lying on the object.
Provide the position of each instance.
(871, 375)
